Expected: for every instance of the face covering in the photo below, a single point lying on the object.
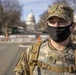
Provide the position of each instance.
(59, 34)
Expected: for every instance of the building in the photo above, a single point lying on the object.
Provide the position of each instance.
(31, 22)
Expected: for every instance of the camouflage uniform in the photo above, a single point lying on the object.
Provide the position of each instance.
(49, 55)
(55, 60)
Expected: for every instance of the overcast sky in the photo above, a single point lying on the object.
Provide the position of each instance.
(37, 6)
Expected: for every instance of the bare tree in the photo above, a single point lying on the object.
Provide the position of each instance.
(1, 16)
(12, 10)
(41, 25)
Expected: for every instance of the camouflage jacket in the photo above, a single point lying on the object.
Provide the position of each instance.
(48, 55)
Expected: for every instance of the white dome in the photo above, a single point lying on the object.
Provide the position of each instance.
(30, 18)
(30, 21)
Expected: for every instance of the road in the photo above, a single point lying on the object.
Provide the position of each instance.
(9, 55)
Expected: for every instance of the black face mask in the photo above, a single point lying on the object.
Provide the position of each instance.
(59, 34)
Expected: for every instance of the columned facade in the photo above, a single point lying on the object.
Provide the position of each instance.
(30, 21)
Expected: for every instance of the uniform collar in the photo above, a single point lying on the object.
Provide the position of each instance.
(53, 48)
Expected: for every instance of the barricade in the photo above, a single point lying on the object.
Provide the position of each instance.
(2, 37)
(21, 38)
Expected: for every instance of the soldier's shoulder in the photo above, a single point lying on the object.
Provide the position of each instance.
(42, 42)
(35, 45)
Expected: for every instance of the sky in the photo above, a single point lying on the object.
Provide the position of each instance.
(37, 7)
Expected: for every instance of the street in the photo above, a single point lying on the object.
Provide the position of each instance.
(9, 56)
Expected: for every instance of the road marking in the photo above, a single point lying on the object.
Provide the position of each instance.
(24, 45)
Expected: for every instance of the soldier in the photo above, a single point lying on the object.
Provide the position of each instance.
(57, 54)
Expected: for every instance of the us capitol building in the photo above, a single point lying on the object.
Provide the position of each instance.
(30, 22)
(31, 25)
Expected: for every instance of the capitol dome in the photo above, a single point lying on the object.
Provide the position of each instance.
(30, 21)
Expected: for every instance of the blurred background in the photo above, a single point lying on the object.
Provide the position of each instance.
(19, 17)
